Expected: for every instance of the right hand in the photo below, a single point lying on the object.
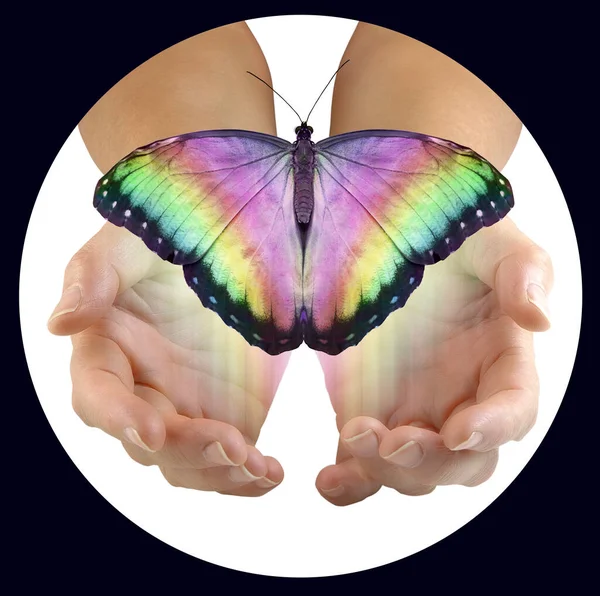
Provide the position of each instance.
(155, 369)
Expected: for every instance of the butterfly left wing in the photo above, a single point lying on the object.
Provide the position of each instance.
(387, 203)
(220, 203)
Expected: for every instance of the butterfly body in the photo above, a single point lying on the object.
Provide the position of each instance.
(304, 163)
(303, 242)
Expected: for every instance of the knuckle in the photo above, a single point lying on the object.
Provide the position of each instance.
(417, 490)
(79, 408)
(485, 470)
(527, 425)
(170, 477)
(136, 454)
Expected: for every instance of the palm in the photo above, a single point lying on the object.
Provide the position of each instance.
(187, 355)
(426, 362)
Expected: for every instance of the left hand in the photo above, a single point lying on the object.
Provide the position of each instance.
(428, 398)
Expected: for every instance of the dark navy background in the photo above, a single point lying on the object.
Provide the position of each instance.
(60, 533)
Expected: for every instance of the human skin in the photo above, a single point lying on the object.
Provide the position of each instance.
(147, 356)
(456, 364)
(151, 366)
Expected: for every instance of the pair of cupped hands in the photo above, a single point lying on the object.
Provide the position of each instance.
(424, 400)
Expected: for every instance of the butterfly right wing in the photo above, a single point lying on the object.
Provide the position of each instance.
(220, 204)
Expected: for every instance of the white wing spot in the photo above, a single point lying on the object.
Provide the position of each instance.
(114, 204)
(195, 280)
(372, 319)
(104, 193)
(159, 240)
(211, 298)
(145, 225)
(447, 240)
(256, 336)
(462, 225)
(501, 181)
(394, 300)
(479, 213)
(411, 281)
(105, 181)
(127, 213)
(350, 337)
(501, 193)
(234, 319)
(492, 203)
(431, 252)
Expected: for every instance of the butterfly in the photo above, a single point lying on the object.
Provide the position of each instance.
(303, 242)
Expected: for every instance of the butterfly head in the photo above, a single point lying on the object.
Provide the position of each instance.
(303, 131)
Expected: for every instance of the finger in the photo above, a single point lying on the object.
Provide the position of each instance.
(103, 394)
(112, 261)
(421, 454)
(518, 270)
(346, 483)
(506, 408)
(412, 459)
(364, 473)
(267, 483)
(193, 443)
(220, 479)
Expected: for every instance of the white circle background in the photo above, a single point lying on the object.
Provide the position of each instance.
(292, 531)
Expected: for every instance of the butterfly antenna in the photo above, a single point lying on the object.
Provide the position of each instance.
(331, 79)
(271, 88)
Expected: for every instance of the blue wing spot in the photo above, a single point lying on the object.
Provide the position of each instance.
(195, 280)
(350, 337)
(234, 319)
(372, 319)
(411, 281)
(256, 336)
(211, 298)
(394, 300)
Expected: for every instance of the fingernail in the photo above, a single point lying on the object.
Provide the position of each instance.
(266, 483)
(537, 296)
(68, 302)
(471, 442)
(409, 455)
(363, 444)
(241, 474)
(133, 436)
(215, 454)
(334, 492)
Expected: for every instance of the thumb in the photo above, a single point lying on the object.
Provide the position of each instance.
(112, 261)
(517, 269)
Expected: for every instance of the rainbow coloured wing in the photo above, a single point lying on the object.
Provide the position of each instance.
(386, 204)
(221, 204)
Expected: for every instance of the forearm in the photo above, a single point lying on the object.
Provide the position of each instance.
(198, 84)
(396, 82)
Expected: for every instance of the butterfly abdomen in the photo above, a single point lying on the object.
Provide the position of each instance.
(303, 181)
